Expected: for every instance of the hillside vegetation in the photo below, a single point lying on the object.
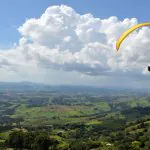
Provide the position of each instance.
(74, 121)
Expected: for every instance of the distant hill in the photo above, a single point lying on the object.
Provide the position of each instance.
(23, 86)
(29, 86)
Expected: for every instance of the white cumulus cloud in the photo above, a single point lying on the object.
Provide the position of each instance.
(62, 39)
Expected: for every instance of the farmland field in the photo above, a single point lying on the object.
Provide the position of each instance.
(89, 120)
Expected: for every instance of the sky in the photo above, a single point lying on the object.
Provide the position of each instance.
(14, 13)
(73, 42)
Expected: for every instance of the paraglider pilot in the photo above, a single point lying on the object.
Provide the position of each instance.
(148, 68)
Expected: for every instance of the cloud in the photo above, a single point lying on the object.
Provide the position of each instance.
(61, 39)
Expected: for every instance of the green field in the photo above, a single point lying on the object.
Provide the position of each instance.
(58, 114)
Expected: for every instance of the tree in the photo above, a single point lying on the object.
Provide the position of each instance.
(41, 142)
(136, 145)
(15, 140)
(78, 145)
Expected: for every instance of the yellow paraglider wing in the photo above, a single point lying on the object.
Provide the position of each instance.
(126, 33)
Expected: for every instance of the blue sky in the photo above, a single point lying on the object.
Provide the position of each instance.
(13, 13)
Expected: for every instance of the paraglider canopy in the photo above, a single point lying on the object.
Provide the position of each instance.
(126, 33)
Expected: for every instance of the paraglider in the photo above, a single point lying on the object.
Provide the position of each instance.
(126, 33)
